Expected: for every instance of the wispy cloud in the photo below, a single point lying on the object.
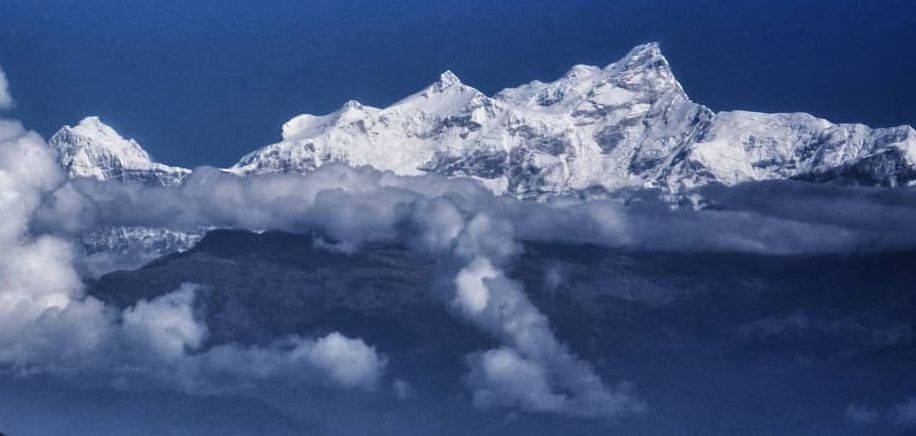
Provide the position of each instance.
(6, 100)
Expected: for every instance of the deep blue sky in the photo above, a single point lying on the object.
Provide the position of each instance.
(205, 81)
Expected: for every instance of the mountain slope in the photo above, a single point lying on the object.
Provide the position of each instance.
(93, 149)
(746, 146)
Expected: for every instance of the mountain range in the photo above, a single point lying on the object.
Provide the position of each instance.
(594, 130)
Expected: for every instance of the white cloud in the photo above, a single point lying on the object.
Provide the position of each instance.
(402, 389)
(503, 378)
(165, 326)
(363, 204)
(333, 359)
(460, 222)
(6, 100)
(533, 370)
(472, 295)
(348, 361)
(159, 342)
(473, 230)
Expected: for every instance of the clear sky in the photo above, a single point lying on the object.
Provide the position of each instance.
(205, 81)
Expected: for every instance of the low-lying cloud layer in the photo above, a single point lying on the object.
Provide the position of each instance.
(360, 204)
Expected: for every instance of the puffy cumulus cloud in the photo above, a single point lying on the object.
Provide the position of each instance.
(36, 275)
(333, 359)
(348, 361)
(48, 325)
(534, 371)
(502, 377)
(160, 341)
(164, 326)
(472, 295)
(6, 100)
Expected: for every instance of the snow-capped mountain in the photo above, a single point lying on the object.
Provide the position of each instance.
(629, 124)
(93, 149)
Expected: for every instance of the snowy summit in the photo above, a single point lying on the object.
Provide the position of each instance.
(94, 149)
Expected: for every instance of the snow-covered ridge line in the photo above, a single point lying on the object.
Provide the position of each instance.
(628, 124)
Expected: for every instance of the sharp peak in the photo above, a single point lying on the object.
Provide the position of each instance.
(91, 119)
(102, 134)
(448, 78)
(93, 123)
(352, 104)
(641, 55)
(448, 83)
(653, 47)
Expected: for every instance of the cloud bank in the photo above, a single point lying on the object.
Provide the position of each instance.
(479, 235)
(436, 216)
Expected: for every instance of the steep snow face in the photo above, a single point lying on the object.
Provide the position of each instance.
(93, 149)
(617, 126)
(629, 124)
(747, 146)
